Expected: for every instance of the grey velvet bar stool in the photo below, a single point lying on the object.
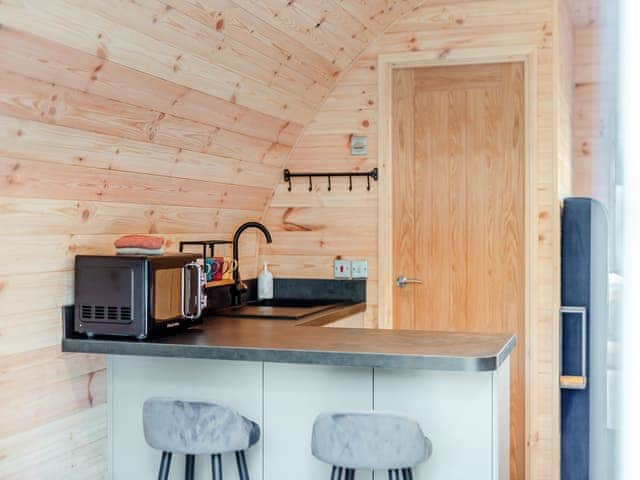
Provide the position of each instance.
(369, 441)
(197, 428)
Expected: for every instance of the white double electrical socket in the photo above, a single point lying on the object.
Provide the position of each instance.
(341, 269)
(359, 269)
(350, 269)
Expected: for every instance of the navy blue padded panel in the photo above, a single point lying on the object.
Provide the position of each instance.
(584, 272)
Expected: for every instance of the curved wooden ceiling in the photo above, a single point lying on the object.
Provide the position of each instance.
(254, 68)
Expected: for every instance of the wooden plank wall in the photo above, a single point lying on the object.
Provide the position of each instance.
(313, 228)
(172, 117)
(595, 98)
(564, 96)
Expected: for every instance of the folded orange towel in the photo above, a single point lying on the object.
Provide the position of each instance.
(139, 241)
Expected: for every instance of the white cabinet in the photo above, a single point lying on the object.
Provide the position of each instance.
(131, 380)
(294, 395)
(464, 414)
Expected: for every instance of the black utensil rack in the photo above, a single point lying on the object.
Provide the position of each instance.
(372, 174)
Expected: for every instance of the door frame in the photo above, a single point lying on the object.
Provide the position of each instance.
(387, 63)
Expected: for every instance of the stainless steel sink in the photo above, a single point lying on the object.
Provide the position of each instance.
(287, 309)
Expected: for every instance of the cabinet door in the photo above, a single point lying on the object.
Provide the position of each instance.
(455, 410)
(131, 380)
(294, 395)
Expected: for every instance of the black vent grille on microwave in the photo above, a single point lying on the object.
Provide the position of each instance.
(98, 312)
(86, 311)
(125, 313)
(102, 312)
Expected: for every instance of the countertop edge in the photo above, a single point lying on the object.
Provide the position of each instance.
(348, 359)
(458, 363)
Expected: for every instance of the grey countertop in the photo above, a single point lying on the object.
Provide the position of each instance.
(308, 341)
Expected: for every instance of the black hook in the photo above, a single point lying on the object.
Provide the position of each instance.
(368, 182)
(310, 184)
(350, 184)
(287, 177)
(329, 179)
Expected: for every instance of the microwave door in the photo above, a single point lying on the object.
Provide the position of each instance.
(167, 294)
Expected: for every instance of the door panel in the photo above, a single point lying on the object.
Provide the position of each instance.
(458, 208)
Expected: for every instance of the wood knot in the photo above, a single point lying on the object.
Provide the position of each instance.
(220, 24)
(365, 123)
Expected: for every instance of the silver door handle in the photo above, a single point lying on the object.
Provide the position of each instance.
(198, 296)
(401, 281)
(575, 382)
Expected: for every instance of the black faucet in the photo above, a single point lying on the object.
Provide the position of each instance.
(239, 287)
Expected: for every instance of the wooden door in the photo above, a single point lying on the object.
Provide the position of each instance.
(458, 208)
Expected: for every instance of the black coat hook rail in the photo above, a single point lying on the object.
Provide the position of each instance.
(372, 174)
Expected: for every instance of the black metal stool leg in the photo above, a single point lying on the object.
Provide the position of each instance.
(407, 474)
(216, 466)
(189, 467)
(165, 463)
(349, 474)
(394, 474)
(243, 472)
(336, 473)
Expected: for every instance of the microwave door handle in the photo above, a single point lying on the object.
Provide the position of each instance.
(184, 313)
(182, 293)
(199, 274)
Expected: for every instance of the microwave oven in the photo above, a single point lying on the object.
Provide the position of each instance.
(137, 296)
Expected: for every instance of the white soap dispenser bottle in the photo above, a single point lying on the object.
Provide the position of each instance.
(265, 284)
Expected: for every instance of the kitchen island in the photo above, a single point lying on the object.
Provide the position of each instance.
(282, 373)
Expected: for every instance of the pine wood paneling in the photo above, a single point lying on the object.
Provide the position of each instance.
(22, 216)
(595, 97)
(41, 59)
(172, 27)
(34, 100)
(73, 447)
(27, 178)
(171, 117)
(29, 140)
(64, 22)
(241, 25)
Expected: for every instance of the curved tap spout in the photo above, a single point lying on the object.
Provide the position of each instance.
(239, 287)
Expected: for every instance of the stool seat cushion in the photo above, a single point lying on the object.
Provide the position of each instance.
(196, 428)
(374, 441)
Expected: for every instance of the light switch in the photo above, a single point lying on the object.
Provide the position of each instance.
(359, 269)
(341, 269)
